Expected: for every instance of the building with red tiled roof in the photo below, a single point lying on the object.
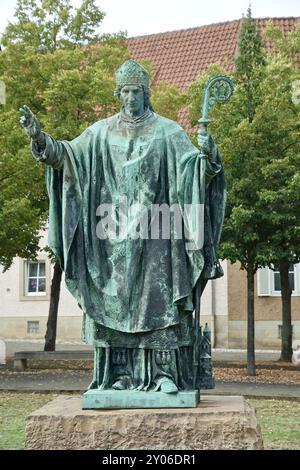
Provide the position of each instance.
(178, 57)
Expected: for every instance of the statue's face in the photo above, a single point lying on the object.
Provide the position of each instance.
(132, 98)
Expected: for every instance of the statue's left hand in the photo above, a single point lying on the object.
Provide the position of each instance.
(206, 144)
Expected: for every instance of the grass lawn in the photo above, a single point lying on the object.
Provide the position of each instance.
(14, 407)
(279, 419)
(280, 423)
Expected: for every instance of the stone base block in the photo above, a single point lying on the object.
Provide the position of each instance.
(219, 422)
(124, 399)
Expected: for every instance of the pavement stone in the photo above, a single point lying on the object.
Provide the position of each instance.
(78, 381)
(218, 354)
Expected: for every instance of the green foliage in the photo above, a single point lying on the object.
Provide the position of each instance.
(282, 46)
(81, 87)
(249, 65)
(55, 62)
(50, 24)
(278, 119)
(167, 100)
(257, 132)
(22, 198)
(69, 84)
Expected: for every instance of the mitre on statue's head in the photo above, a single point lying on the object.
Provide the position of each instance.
(132, 73)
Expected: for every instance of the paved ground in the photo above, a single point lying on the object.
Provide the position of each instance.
(241, 355)
(36, 381)
(13, 346)
(78, 381)
(255, 390)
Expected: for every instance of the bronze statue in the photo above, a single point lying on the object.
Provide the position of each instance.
(137, 292)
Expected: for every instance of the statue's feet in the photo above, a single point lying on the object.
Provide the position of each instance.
(119, 385)
(123, 383)
(166, 385)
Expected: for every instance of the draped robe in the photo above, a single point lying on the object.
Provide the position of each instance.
(135, 293)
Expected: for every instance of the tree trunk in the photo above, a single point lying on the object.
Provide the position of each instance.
(286, 329)
(50, 337)
(250, 323)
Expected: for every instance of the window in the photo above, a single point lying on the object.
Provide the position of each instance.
(277, 283)
(33, 327)
(35, 278)
(268, 281)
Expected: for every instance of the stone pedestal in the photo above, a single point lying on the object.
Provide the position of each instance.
(219, 422)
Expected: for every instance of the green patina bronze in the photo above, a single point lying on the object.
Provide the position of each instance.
(123, 399)
(137, 294)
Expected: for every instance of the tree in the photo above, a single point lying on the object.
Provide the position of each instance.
(243, 235)
(248, 73)
(279, 120)
(50, 336)
(22, 205)
(50, 24)
(258, 134)
(53, 61)
(168, 100)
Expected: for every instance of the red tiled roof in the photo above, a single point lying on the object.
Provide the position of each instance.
(178, 57)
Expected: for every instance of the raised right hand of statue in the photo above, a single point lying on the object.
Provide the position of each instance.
(30, 123)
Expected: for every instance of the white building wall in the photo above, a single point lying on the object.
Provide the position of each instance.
(215, 296)
(16, 311)
(221, 292)
(214, 309)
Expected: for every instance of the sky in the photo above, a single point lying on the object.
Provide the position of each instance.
(139, 17)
